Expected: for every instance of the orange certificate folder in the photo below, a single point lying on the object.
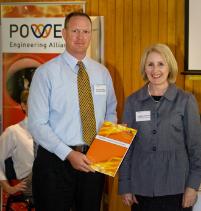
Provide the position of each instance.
(109, 147)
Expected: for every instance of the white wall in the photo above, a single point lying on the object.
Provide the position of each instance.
(194, 44)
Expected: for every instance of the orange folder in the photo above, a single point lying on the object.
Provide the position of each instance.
(109, 147)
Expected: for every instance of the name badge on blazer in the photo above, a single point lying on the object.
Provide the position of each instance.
(143, 116)
(100, 89)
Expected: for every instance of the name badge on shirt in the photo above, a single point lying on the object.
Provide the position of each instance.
(100, 89)
(143, 116)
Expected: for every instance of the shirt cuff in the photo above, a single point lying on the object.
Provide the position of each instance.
(124, 187)
(194, 182)
(62, 151)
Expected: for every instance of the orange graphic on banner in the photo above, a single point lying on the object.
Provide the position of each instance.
(40, 30)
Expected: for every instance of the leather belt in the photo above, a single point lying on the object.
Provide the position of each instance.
(80, 148)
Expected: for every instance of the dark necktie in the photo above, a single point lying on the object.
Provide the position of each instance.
(86, 105)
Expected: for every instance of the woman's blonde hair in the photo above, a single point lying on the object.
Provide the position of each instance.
(167, 55)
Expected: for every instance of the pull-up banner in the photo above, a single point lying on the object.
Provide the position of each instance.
(30, 36)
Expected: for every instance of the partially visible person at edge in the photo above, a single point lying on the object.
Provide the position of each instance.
(162, 169)
(16, 142)
(62, 177)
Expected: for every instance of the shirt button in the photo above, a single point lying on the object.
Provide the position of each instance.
(154, 148)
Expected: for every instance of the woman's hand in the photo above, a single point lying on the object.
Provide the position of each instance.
(128, 199)
(189, 197)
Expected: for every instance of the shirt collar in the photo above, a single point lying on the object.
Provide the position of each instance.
(170, 94)
(72, 61)
(143, 93)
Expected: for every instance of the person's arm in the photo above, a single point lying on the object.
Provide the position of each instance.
(21, 186)
(111, 114)
(125, 168)
(39, 112)
(7, 146)
(128, 198)
(192, 131)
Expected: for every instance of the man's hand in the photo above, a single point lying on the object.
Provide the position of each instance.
(128, 199)
(189, 197)
(79, 161)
